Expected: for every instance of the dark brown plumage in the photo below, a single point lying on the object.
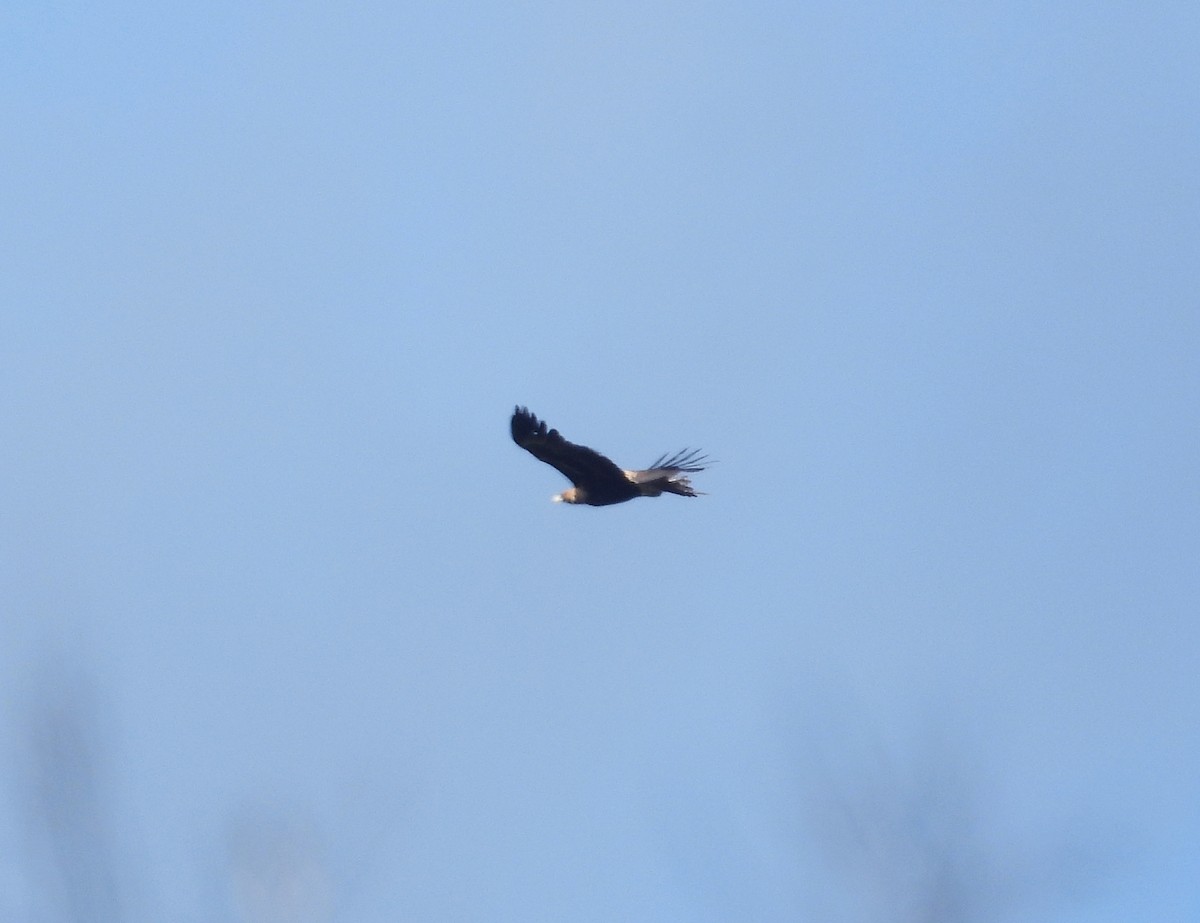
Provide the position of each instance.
(598, 481)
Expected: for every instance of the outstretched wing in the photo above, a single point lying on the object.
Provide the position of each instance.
(585, 467)
(689, 461)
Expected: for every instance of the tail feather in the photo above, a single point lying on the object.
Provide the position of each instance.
(681, 486)
(667, 474)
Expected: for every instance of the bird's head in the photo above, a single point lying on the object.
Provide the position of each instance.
(570, 495)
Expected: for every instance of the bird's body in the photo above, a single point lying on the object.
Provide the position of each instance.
(598, 480)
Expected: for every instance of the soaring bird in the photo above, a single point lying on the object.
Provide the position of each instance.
(598, 481)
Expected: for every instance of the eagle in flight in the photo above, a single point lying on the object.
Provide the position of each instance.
(598, 481)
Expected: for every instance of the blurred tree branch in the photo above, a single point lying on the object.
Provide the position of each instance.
(64, 795)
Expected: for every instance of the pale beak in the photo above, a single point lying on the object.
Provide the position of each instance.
(557, 498)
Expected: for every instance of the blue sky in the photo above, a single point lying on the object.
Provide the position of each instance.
(923, 279)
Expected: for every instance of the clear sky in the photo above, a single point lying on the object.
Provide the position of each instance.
(289, 629)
